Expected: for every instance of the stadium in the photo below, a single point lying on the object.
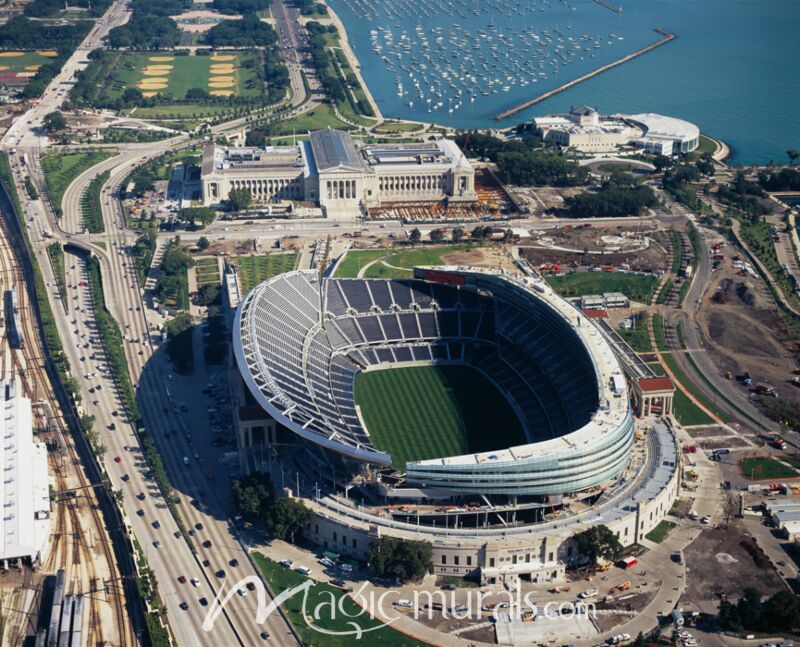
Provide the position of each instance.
(457, 382)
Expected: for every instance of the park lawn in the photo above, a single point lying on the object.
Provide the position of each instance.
(705, 145)
(389, 127)
(324, 597)
(319, 118)
(764, 467)
(635, 287)
(187, 72)
(421, 412)
(638, 338)
(23, 62)
(351, 264)
(60, 169)
(256, 269)
(660, 532)
(792, 459)
(400, 264)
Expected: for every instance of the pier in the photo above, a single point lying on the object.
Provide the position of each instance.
(667, 37)
(613, 7)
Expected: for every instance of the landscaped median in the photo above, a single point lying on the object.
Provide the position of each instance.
(323, 611)
(60, 169)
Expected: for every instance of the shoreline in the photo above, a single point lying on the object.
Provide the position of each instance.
(355, 65)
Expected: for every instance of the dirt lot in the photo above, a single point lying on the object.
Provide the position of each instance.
(612, 242)
(726, 560)
(743, 331)
(494, 257)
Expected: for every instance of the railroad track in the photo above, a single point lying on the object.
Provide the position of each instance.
(84, 564)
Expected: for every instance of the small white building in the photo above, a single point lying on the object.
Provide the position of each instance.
(25, 486)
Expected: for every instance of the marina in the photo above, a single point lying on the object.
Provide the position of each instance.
(667, 37)
(461, 64)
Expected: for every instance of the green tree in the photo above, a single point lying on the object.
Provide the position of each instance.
(782, 611)
(208, 294)
(457, 234)
(286, 518)
(436, 235)
(87, 421)
(252, 495)
(203, 215)
(203, 244)
(414, 236)
(54, 122)
(596, 542)
(400, 559)
(239, 199)
(750, 609)
(793, 154)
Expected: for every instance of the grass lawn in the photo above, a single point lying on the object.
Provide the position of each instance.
(635, 287)
(686, 411)
(664, 292)
(323, 597)
(660, 532)
(182, 110)
(764, 467)
(25, 62)
(705, 145)
(422, 412)
(691, 387)
(638, 338)
(389, 127)
(207, 271)
(60, 169)
(235, 73)
(792, 459)
(319, 118)
(256, 269)
(658, 332)
(402, 261)
(351, 264)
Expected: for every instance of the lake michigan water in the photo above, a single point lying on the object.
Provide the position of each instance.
(734, 68)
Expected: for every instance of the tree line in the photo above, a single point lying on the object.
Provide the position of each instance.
(525, 161)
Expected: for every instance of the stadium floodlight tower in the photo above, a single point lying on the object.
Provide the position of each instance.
(302, 339)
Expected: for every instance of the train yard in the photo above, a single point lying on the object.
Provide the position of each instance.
(80, 545)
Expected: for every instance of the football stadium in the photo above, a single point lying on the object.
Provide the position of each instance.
(465, 381)
(478, 388)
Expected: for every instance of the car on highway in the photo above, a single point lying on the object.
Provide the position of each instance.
(182, 579)
(207, 543)
(183, 606)
(126, 477)
(203, 602)
(234, 562)
(198, 526)
(117, 459)
(195, 581)
(156, 524)
(220, 573)
(157, 543)
(140, 512)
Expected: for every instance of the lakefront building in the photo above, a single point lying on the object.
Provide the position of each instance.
(337, 175)
(585, 129)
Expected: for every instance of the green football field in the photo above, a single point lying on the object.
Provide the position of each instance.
(421, 412)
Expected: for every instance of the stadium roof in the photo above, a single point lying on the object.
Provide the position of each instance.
(25, 523)
(334, 149)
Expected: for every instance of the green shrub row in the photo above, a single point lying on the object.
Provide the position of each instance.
(91, 211)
